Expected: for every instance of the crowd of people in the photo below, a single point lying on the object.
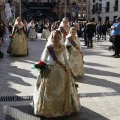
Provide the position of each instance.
(62, 60)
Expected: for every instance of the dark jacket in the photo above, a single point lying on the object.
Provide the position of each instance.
(104, 29)
(90, 29)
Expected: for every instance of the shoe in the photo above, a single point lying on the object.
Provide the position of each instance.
(113, 55)
(117, 56)
(91, 46)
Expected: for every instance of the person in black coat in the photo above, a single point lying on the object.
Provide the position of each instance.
(104, 30)
(90, 30)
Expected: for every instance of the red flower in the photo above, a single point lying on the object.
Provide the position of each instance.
(10, 36)
(42, 63)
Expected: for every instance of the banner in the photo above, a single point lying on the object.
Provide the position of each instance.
(75, 10)
(104, 3)
(8, 11)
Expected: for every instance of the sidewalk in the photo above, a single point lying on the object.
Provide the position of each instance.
(99, 88)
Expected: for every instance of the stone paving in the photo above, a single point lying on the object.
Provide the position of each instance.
(102, 75)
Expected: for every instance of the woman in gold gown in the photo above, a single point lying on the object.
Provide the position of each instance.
(75, 55)
(19, 43)
(55, 93)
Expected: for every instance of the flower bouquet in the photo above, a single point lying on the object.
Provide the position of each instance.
(41, 65)
(10, 38)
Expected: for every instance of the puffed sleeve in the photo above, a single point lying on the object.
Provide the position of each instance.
(79, 45)
(44, 55)
(65, 58)
(13, 30)
(67, 42)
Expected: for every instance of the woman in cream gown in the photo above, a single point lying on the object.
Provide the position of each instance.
(55, 93)
(45, 33)
(19, 43)
(32, 34)
(75, 56)
(64, 27)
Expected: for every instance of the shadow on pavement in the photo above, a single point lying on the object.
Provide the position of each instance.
(26, 113)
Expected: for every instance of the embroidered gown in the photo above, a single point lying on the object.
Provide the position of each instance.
(75, 58)
(19, 42)
(32, 34)
(55, 92)
(45, 33)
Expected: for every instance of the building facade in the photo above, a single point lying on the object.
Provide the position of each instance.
(55, 9)
(103, 10)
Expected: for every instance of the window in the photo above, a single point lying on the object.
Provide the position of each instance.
(93, 10)
(116, 5)
(108, 7)
(107, 19)
(84, 8)
(100, 6)
(100, 19)
(93, 19)
(114, 18)
(96, 7)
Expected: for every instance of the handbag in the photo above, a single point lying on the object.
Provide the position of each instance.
(9, 50)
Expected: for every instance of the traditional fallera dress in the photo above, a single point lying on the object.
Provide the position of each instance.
(55, 91)
(45, 33)
(64, 31)
(19, 43)
(75, 57)
(32, 34)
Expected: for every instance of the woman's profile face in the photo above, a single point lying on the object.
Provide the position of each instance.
(19, 20)
(66, 22)
(56, 38)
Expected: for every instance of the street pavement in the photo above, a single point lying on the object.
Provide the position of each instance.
(99, 88)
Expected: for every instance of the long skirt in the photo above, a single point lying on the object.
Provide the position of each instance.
(19, 45)
(55, 93)
(45, 33)
(76, 62)
(32, 34)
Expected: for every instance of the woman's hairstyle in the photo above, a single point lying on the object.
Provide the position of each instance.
(50, 41)
(63, 21)
(16, 21)
(50, 38)
(56, 31)
(72, 28)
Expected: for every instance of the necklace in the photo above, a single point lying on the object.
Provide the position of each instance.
(59, 46)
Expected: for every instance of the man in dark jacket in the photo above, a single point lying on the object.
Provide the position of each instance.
(90, 30)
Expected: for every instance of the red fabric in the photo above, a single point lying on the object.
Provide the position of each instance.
(10, 36)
